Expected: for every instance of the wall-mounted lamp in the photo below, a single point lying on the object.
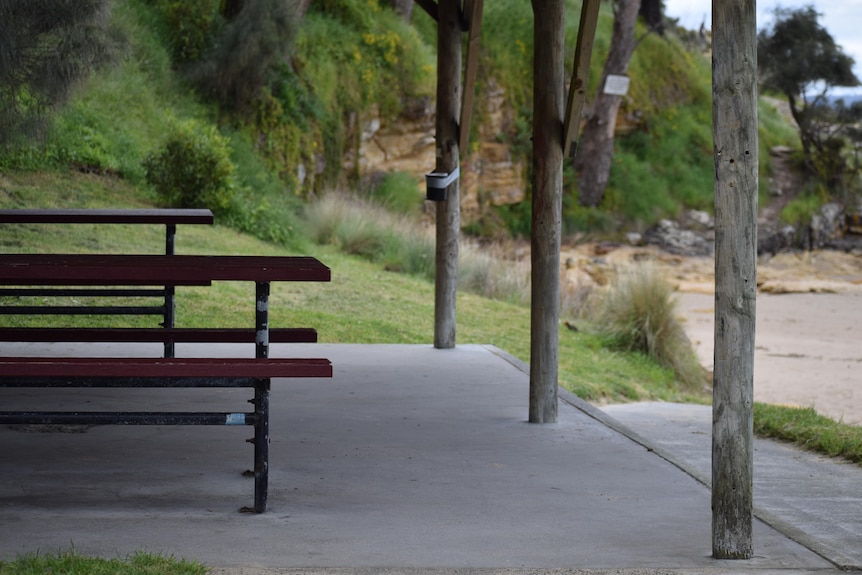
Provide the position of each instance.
(436, 184)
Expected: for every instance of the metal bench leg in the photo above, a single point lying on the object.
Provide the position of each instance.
(261, 400)
(261, 445)
(170, 301)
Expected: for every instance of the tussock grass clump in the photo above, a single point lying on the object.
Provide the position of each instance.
(491, 272)
(368, 229)
(638, 313)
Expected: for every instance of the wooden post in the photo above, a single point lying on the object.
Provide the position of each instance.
(449, 210)
(473, 9)
(548, 108)
(580, 75)
(734, 92)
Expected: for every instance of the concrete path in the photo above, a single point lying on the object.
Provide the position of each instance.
(409, 460)
(813, 499)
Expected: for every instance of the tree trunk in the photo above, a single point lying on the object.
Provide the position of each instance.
(651, 10)
(734, 117)
(597, 144)
(549, 105)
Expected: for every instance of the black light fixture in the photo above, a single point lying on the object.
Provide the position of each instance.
(436, 184)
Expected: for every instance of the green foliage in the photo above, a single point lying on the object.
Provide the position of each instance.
(72, 563)
(190, 28)
(639, 314)
(506, 56)
(774, 129)
(666, 162)
(666, 165)
(799, 210)
(124, 112)
(798, 58)
(665, 73)
(795, 54)
(261, 205)
(46, 49)
(807, 429)
(517, 218)
(357, 54)
(193, 169)
(580, 219)
(351, 60)
(397, 192)
(229, 50)
(247, 51)
(663, 164)
(288, 139)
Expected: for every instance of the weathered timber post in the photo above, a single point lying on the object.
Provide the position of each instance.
(448, 210)
(734, 115)
(548, 109)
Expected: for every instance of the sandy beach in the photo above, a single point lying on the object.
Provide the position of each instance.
(807, 348)
(808, 340)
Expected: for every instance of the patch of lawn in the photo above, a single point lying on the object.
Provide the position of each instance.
(71, 563)
(813, 432)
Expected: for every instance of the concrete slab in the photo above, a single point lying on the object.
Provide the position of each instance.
(814, 499)
(410, 458)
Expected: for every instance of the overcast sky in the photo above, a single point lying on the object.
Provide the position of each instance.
(841, 18)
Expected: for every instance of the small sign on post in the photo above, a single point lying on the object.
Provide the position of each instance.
(617, 85)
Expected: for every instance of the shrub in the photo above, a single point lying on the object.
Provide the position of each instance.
(799, 210)
(251, 44)
(193, 169)
(639, 314)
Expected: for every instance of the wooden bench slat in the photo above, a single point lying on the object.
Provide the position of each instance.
(155, 335)
(107, 216)
(175, 367)
(125, 418)
(130, 382)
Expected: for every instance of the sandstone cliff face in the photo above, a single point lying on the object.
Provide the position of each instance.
(489, 175)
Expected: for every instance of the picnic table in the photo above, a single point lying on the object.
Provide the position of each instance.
(170, 270)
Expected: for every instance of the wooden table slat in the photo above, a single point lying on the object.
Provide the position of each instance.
(107, 216)
(98, 269)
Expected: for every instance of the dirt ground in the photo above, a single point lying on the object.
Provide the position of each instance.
(808, 340)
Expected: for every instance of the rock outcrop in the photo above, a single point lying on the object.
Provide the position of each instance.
(490, 175)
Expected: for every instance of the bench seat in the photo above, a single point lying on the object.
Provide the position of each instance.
(16, 372)
(123, 371)
(154, 335)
